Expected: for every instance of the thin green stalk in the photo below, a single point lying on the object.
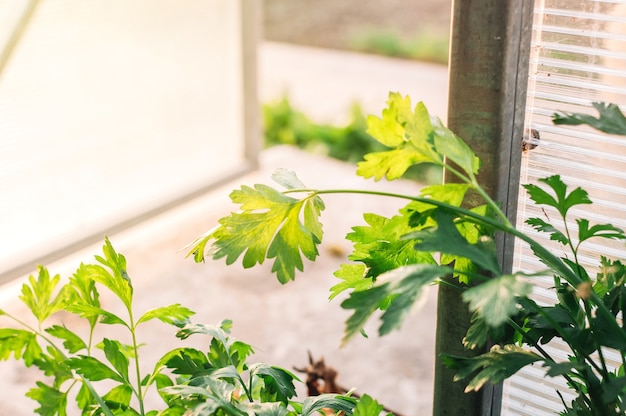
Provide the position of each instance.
(85, 381)
(247, 391)
(138, 391)
(540, 251)
(546, 356)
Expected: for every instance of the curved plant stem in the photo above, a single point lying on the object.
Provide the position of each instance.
(552, 261)
(86, 382)
(138, 391)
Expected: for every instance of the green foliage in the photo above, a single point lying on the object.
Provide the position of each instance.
(495, 366)
(283, 124)
(610, 120)
(272, 220)
(428, 45)
(219, 381)
(436, 235)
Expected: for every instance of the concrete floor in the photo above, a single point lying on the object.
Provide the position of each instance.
(282, 322)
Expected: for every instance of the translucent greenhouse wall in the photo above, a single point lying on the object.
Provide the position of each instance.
(113, 109)
(578, 57)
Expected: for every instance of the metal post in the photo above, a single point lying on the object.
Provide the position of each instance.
(488, 79)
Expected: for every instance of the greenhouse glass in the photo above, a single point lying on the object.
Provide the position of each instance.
(578, 57)
(111, 110)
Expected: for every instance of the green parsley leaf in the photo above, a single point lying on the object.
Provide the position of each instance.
(496, 299)
(611, 119)
(561, 200)
(71, 341)
(93, 369)
(446, 238)
(396, 291)
(278, 382)
(115, 355)
(495, 366)
(38, 294)
(379, 245)
(269, 226)
(353, 276)
(313, 405)
(167, 314)
(19, 343)
(541, 225)
(52, 401)
(599, 230)
(367, 407)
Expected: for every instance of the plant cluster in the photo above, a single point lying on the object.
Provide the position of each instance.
(428, 45)
(435, 236)
(393, 261)
(283, 124)
(103, 376)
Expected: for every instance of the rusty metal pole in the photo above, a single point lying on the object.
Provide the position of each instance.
(489, 56)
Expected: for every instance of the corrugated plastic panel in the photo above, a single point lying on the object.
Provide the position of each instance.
(578, 57)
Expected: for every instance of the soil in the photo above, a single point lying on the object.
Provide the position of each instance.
(336, 23)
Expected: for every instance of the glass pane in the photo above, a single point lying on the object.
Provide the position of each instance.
(578, 57)
(111, 108)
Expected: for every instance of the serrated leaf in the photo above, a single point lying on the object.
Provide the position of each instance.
(84, 291)
(115, 282)
(278, 381)
(52, 363)
(494, 367)
(83, 398)
(598, 230)
(168, 314)
(445, 238)
(479, 333)
(559, 369)
(313, 405)
(410, 134)
(453, 148)
(353, 276)
(89, 312)
(115, 355)
(404, 285)
(216, 331)
(288, 179)
(540, 225)
(269, 226)
(93, 369)
(20, 344)
(496, 299)
(611, 119)
(198, 247)
(414, 137)
(114, 261)
(38, 294)
(218, 392)
(380, 247)
(364, 303)
(187, 361)
(366, 406)
(389, 130)
(72, 342)
(119, 397)
(561, 200)
(450, 193)
(612, 274)
(52, 402)
(390, 164)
